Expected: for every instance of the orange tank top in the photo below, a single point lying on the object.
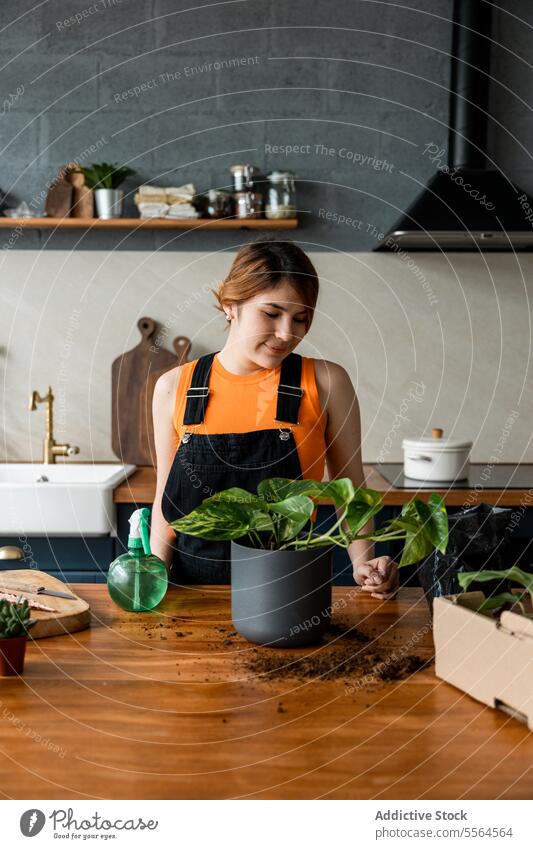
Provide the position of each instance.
(240, 403)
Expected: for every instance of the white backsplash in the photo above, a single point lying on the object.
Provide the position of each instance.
(429, 340)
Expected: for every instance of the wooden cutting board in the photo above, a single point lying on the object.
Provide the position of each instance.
(182, 347)
(133, 377)
(82, 196)
(68, 616)
(58, 201)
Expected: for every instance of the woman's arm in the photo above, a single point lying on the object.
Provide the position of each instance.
(344, 460)
(343, 442)
(166, 442)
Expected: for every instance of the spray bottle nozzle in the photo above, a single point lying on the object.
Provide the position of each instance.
(139, 536)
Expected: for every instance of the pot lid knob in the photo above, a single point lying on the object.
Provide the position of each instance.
(436, 432)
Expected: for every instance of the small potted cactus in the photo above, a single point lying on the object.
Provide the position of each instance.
(15, 623)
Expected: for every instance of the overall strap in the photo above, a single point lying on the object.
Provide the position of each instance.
(198, 392)
(289, 390)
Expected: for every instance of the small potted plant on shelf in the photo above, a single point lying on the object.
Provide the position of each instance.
(104, 179)
(15, 623)
(281, 568)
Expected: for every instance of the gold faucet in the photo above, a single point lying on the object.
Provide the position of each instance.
(51, 450)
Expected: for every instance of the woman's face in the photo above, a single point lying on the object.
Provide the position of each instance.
(270, 325)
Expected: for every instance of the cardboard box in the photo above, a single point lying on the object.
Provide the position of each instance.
(490, 660)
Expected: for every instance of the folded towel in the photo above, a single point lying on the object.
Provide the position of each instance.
(181, 194)
(151, 190)
(152, 210)
(166, 194)
(181, 210)
(139, 197)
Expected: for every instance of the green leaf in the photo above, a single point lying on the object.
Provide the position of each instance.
(216, 521)
(296, 512)
(279, 489)
(261, 521)
(497, 601)
(437, 529)
(512, 574)
(416, 547)
(291, 506)
(426, 528)
(236, 495)
(341, 491)
(366, 504)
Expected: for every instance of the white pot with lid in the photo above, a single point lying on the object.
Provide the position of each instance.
(436, 459)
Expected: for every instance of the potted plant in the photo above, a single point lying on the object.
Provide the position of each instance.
(484, 645)
(281, 568)
(495, 604)
(104, 179)
(15, 623)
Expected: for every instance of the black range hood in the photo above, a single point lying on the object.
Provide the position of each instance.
(465, 205)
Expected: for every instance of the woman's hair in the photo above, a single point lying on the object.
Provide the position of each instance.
(263, 265)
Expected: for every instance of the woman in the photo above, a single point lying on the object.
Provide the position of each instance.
(254, 410)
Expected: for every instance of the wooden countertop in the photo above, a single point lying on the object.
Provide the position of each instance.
(140, 489)
(112, 712)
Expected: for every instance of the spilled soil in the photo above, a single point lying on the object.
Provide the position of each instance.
(162, 630)
(360, 660)
(345, 653)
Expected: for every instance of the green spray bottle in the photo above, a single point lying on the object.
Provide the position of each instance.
(138, 580)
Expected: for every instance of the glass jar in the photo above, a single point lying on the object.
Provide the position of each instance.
(244, 177)
(281, 199)
(249, 204)
(218, 204)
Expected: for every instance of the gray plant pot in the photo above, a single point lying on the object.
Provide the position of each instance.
(109, 202)
(280, 598)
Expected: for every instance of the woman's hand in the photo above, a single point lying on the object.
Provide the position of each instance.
(378, 576)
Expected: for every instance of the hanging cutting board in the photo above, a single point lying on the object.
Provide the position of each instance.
(69, 615)
(182, 346)
(133, 377)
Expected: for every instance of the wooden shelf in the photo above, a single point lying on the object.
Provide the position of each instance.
(149, 223)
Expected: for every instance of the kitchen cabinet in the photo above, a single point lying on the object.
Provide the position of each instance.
(77, 559)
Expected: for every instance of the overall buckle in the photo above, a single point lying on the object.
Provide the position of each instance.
(199, 390)
(295, 391)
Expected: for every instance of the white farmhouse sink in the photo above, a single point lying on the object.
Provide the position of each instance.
(59, 499)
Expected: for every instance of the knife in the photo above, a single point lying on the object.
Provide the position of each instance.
(35, 590)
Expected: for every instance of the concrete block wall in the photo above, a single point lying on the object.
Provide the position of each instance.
(348, 83)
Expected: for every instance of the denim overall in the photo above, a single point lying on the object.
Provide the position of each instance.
(208, 463)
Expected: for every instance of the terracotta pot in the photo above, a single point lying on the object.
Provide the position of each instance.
(12, 651)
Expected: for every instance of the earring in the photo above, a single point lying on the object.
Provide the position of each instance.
(228, 317)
